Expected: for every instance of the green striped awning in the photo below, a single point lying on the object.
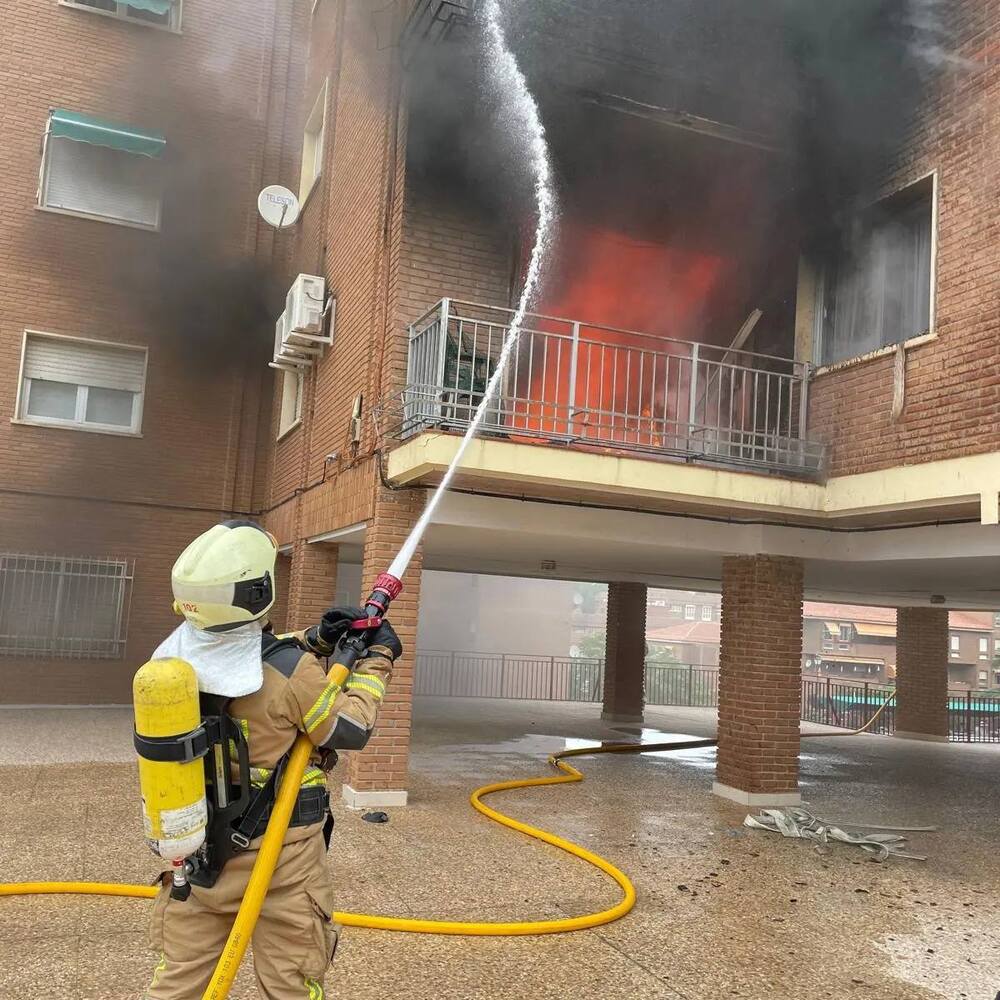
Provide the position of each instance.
(84, 128)
(153, 6)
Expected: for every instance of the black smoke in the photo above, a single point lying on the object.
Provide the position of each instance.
(834, 85)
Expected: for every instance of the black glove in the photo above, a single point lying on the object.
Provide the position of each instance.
(385, 635)
(323, 638)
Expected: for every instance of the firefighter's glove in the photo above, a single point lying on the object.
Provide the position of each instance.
(323, 638)
(385, 637)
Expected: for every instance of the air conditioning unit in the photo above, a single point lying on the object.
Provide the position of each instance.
(304, 307)
(304, 328)
(288, 357)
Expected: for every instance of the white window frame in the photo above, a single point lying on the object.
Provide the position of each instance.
(819, 291)
(954, 644)
(690, 612)
(984, 647)
(313, 141)
(286, 426)
(846, 633)
(173, 26)
(79, 423)
(706, 612)
(43, 180)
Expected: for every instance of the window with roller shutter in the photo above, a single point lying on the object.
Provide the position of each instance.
(101, 170)
(81, 384)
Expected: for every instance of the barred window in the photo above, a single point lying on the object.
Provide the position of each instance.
(64, 606)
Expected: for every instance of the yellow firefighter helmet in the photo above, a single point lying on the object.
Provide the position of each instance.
(225, 577)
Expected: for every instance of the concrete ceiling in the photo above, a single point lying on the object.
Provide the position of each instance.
(899, 566)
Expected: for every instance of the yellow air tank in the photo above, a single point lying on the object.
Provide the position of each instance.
(174, 810)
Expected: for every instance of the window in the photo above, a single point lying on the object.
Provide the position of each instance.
(706, 612)
(690, 612)
(843, 646)
(312, 145)
(676, 609)
(827, 644)
(845, 633)
(996, 619)
(954, 645)
(983, 676)
(100, 170)
(156, 13)
(875, 289)
(82, 384)
(290, 414)
(996, 647)
(984, 648)
(63, 606)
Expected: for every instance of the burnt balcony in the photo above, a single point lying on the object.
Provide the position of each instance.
(596, 387)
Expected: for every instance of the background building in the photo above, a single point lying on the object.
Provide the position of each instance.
(772, 376)
(134, 393)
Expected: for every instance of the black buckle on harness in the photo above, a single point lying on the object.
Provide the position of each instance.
(173, 749)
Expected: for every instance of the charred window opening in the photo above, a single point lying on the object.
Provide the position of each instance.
(875, 285)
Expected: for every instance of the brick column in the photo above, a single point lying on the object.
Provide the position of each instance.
(377, 776)
(311, 585)
(922, 673)
(282, 585)
(625, 653)
(760, 680)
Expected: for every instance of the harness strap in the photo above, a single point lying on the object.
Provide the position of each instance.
(260, 804)
(173, 749)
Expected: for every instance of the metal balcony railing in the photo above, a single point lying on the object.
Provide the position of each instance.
(587, 385)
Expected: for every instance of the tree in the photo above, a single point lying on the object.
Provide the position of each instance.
(592, 646)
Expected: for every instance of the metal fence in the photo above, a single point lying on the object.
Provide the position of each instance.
(64, 606)
(846, 705)
(973, 718)
(579, 383)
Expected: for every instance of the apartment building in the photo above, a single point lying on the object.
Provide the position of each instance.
(757, 408)
(859, 643)
(741, 375)
(134, 391)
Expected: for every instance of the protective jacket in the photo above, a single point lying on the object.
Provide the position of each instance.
(296, 696)
(294, 939)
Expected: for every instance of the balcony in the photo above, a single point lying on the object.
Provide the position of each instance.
(599, 388)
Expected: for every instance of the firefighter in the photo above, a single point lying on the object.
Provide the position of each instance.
(272, 687)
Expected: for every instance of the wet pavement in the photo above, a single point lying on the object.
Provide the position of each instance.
(722, 911)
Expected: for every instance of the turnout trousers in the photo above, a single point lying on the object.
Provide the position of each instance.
(293, 943)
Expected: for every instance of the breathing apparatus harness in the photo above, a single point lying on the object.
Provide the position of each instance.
(237, 811)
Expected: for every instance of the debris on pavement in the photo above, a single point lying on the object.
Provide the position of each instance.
(881, 842)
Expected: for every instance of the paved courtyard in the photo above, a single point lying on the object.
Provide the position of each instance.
(722, 911)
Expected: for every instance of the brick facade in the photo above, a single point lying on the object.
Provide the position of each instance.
(382, 766)
(206, 402)
(760, 691)
(922, 673)
(952, 399)
(312, 583)
(625, 653)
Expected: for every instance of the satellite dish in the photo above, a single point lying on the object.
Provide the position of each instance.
(278, 207)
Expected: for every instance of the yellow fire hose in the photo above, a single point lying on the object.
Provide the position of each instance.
(271, 844)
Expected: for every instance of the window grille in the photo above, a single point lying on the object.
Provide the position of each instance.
(64, 606)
